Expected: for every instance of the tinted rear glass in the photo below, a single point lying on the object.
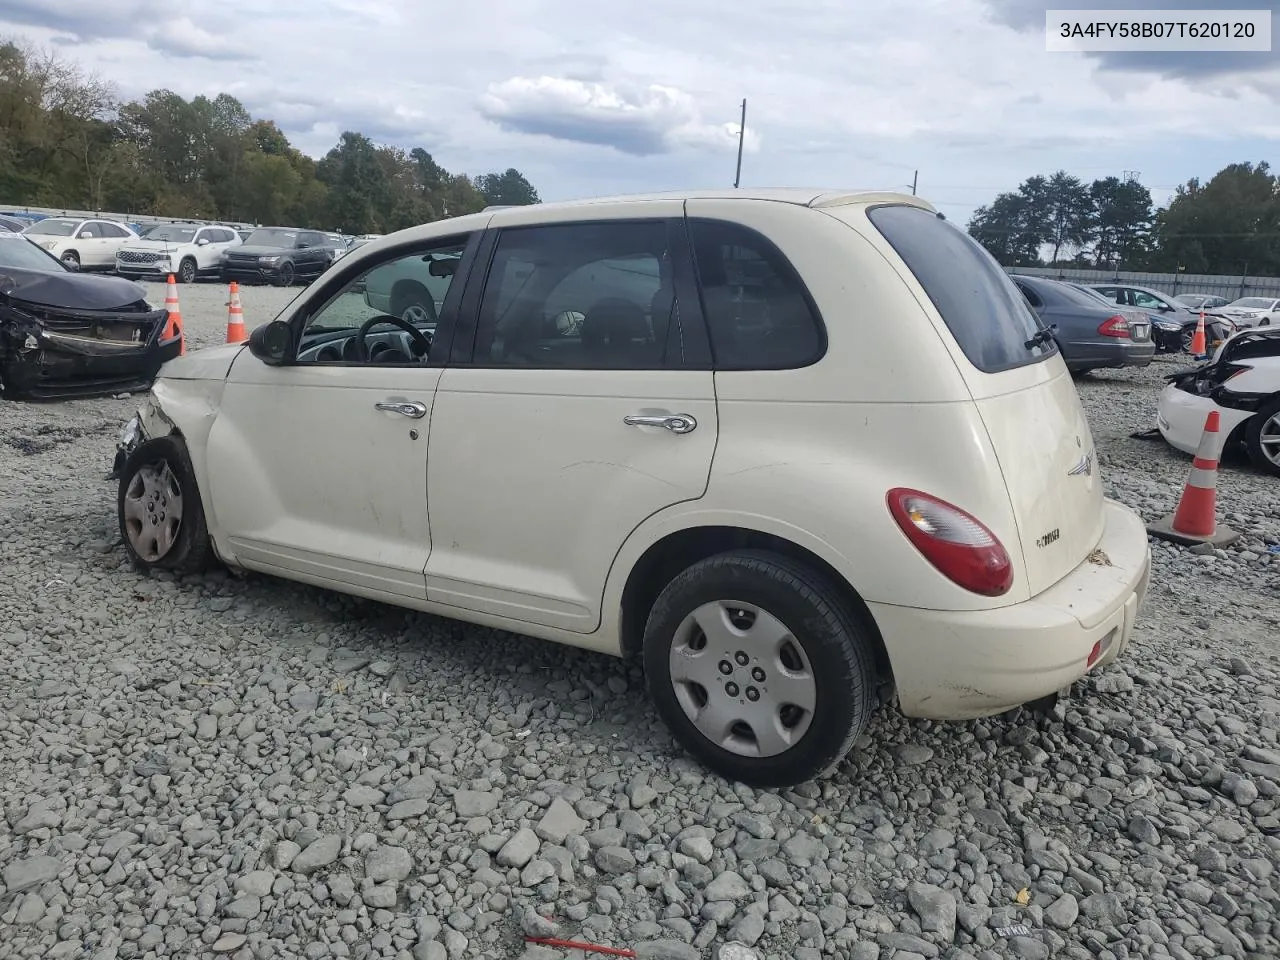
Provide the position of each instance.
(978, 302)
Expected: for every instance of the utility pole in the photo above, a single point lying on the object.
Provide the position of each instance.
(1131, 175)
(742, 133)
(914, 181)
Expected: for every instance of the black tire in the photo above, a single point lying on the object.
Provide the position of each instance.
(409, 295)
(835, 641)
(1253, 437)
(191, 550)
(286, 275)
(187, 271)
(71, 257)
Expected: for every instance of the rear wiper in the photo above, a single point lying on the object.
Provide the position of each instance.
(1042, 336)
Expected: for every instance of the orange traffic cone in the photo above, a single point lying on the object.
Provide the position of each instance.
(1198, 348)
(174, 326)
(1195, 519)
(235, 317)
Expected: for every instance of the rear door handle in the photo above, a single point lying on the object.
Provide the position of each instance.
(407, 408)
(676, 423)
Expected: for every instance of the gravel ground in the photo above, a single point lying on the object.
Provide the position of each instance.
(253, 769)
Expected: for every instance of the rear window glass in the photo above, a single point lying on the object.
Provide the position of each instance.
(978, 302)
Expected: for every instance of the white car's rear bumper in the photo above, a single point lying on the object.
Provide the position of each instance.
(1180, 418)
(959, 665)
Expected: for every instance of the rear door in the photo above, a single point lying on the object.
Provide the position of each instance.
(577, 407)
(1022, 389)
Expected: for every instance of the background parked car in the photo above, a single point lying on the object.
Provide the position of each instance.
(183, 249)
(81, 244)
(1252, 312)
(12, 225)
(1173, 324)
(278, 255)
(1090, 332)
(1199, 301)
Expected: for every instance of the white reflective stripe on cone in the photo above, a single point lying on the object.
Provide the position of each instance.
(1203, 479)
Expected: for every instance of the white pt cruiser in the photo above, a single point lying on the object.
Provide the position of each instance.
(782, 445)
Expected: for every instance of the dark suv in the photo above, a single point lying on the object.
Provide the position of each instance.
(278, 255)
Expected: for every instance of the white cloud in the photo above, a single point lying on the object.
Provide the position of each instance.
(184, 38)
(637, 120)
(588, 99)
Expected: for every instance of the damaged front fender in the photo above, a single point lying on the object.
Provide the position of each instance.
(53, 353)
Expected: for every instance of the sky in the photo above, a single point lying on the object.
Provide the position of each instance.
(587, 99)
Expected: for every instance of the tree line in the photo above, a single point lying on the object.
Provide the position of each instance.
(1229, 225)
(68, 141)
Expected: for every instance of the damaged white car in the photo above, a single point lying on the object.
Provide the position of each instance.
(1242, 383)
(662, 426)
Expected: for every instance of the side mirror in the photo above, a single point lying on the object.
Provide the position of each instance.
(85, 235)
(202, 242)
(271, 342)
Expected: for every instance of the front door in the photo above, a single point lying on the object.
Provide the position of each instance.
(584, 407)
(318, 468)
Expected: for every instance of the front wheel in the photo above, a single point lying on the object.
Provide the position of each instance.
(285, 275)
(759, 667)
(71, 259)
(187, 271)
(158, 506)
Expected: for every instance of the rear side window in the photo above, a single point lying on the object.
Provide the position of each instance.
(978, 302)
(758, 311)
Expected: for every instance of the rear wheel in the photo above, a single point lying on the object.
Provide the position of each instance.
(159, 511)
(411, 302)
(759, 667)
(1262, 437)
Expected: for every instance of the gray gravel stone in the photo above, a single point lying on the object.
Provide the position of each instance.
(317, 855)
(388, 863)
(729, 887)
(936, 909)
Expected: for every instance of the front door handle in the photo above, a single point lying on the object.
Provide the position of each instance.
(407, 408)
(676, 423)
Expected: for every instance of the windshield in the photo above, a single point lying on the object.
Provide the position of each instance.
(54, 228)
(272, 237)
(18, 252)
(1253, 303)
(172, 233)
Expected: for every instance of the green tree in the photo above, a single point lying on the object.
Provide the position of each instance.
(1122, 221)
(1230, 225)
(1067, 209)
(1007, 229)
(509, 188)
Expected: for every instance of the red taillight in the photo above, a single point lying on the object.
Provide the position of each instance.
(1117, 326)
(958, 545)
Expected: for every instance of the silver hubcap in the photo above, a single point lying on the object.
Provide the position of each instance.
(743, 679)
(153, 511)
(416, 314)
(1269, 439)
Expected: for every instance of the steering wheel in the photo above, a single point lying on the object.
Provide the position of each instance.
(421, 342)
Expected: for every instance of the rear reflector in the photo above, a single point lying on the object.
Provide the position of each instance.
(957, 544)
(1116, 326)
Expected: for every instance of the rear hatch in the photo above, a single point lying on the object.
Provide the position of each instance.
(1027, 400)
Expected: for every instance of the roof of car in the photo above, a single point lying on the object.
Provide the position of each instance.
(801, 196)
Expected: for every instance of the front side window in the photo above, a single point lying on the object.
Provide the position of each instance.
(758, 312)
(387, 314)
(579, 296)
(1147, 301)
